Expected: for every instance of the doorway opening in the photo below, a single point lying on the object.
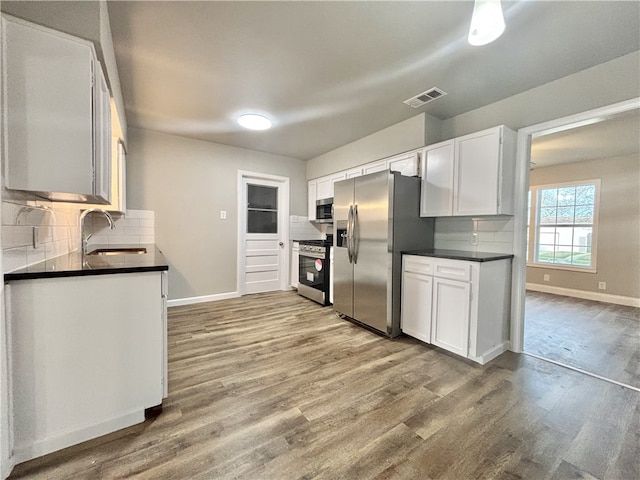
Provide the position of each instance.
(263, 232)
(576, 182)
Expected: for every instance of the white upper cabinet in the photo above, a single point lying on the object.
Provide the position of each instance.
(436, 198)
(373, 167)
(469, 175)
(484, 173)
(57, 136)
(325, 185)
(312, 188)
(354, 172)
(407, 164)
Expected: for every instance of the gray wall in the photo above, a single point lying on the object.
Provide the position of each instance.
(618, 248)
(604, 84)
(187, 182)
(397, 138)
(595, 87)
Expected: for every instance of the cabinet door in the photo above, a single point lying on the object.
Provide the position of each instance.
(74, 326)
(337, 177)
(311, 202)
(436, 194)
(416, 306)
(406, 164)
(451, 310)
(102, 135)
(48, 124)
(325, 188)
(373, 167)
(478, 166)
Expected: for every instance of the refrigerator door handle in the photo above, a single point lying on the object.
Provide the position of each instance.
(350, 233)
(355, 237)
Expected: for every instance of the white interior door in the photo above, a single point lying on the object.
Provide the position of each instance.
(264, 234)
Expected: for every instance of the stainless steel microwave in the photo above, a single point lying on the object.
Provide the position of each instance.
(324, 210)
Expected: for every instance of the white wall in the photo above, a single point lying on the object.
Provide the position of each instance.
(187, 183)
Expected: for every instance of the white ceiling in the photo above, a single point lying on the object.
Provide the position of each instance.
(332, 72)
(605, 139)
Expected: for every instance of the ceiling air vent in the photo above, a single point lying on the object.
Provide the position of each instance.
(425, 97)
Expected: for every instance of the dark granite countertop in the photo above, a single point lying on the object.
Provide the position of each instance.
(460, 255)
(72, 264)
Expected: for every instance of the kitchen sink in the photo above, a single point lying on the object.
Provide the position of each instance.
(119, 251)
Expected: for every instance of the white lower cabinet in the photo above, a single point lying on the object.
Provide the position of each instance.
(461, 306)
(450, 329)
(416, 305)
(88, 356)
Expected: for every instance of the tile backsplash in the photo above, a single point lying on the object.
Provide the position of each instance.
(301, 229)
(475, 234)
(34, 230)
(136, 227)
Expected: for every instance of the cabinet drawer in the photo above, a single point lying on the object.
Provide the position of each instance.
(453, 269)
(417, 264)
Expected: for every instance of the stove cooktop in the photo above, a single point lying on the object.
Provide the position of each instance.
(320, 243)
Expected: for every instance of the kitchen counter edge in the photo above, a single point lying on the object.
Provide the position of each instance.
(460, 255)
(72, 265)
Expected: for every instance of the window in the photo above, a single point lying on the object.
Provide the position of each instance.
(262, 209)
(563, 234)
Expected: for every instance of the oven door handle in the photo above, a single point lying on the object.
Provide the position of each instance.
(321, 256)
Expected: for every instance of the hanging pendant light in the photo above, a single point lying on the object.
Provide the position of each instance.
(487, 22)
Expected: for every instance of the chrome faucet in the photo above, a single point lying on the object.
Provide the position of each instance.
(84, 214)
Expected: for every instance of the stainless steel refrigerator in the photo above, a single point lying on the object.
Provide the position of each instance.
(376, 218)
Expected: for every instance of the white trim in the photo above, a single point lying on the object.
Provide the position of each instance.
(559, 266)
(523, 158)
(177, 302)
(283, 221)
(7, 459)
(584, 294)
(491, 354)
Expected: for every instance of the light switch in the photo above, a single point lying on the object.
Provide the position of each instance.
(223, 214)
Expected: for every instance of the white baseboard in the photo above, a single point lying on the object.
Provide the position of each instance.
(492, 353)
(204, 298)
(596, 296)
(56, 442)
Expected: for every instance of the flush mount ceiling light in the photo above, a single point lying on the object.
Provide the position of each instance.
(487, 22)
(253, 121)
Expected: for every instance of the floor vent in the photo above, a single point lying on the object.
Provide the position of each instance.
(425, 97)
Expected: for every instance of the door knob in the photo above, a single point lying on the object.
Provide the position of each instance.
(281, 244)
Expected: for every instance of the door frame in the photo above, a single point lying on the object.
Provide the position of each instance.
(283, 226)
(523, 159)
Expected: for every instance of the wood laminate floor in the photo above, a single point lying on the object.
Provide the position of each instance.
(600, 338)
(273, 386)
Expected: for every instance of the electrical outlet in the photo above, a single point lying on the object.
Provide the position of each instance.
(474, 238)
(546, 277)
(602, 285)
(223, 214)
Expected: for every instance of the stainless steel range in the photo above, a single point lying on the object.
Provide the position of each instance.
(313, 273)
